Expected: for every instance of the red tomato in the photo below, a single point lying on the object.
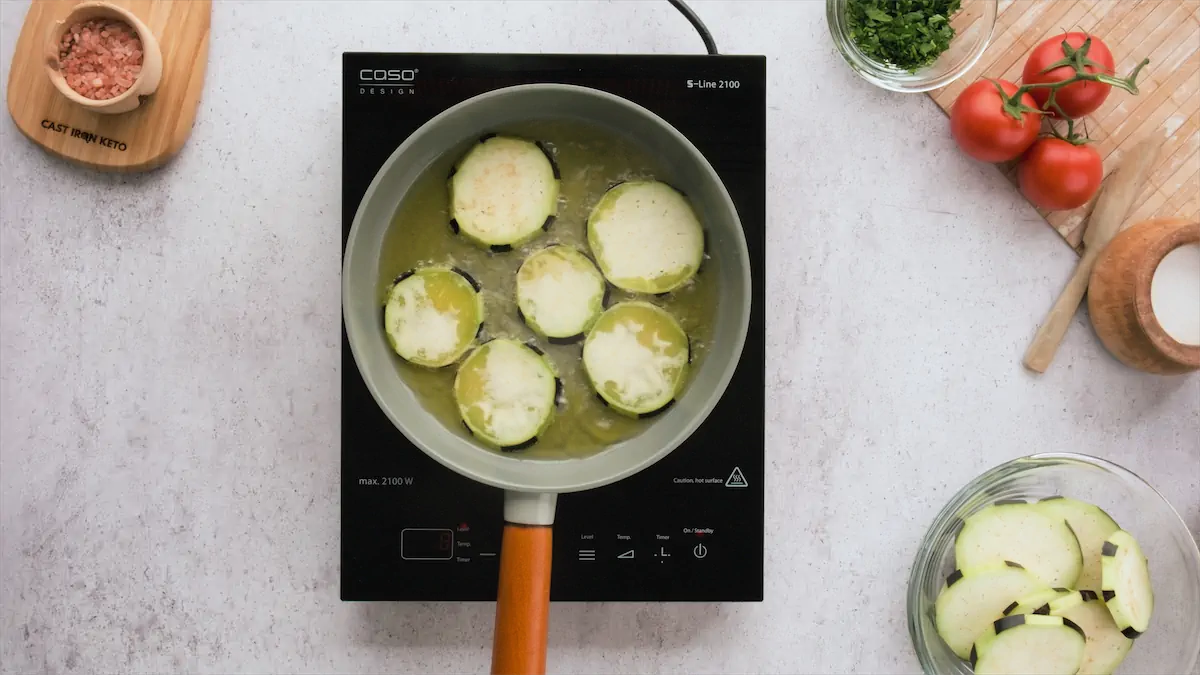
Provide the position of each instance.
(984, 131)
(1076, 100)
(1057, 175)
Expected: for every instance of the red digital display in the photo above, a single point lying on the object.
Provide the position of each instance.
(423, 543)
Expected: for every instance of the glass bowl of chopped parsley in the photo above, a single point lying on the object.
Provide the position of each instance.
(911, 45)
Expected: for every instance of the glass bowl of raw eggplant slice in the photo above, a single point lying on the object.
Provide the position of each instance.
(1056, 563)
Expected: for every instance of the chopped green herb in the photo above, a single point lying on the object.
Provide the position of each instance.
(907, 34)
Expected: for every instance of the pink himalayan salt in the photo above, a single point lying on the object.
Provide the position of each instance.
(100, 58)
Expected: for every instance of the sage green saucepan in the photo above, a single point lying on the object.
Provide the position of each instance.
(532, 485)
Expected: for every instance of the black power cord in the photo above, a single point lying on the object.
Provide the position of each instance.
(697, 24)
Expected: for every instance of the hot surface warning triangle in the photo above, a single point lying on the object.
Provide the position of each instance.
(736, 479)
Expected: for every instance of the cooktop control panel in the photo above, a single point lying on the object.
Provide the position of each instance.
(673, 532)
(653, 551)
(688, 528)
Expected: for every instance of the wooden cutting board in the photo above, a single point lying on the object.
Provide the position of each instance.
(134, 141)
(1165, 31)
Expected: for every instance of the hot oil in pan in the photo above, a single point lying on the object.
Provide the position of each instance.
(590, 159)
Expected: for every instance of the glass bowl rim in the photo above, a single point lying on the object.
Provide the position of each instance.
(893, 79)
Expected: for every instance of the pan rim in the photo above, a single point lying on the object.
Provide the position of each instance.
(592, 468)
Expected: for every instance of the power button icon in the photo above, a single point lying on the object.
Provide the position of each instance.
(700, 551)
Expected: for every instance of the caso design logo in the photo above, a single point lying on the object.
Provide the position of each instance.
(387, 81)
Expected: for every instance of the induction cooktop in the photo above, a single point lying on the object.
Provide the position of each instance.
(688, 528)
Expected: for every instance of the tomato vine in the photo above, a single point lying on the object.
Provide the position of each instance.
(1077, 59)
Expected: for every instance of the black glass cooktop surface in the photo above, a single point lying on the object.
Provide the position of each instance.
(689, 528)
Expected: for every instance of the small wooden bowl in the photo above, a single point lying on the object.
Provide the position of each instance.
(152, 63)
(1119, 297)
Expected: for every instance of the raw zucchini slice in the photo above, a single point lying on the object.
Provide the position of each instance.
(432, 315)
(1106, 646)
(1029, 644)
(973, 598)
(1126, 589)
(646, 237)
(1022, 533)
(503, 192)
(1091, 526)
(1037, 602)
(636, 358)
(560, 293)
(506, 392)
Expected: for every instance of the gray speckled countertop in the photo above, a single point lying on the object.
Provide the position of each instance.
(169, 468)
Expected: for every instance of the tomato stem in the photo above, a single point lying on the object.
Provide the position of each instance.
(1128, 83)
(1076, 59)
(1070, 137)
(1052, 103)
(1013, 106)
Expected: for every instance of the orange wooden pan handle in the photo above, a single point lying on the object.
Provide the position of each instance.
(523, 604)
